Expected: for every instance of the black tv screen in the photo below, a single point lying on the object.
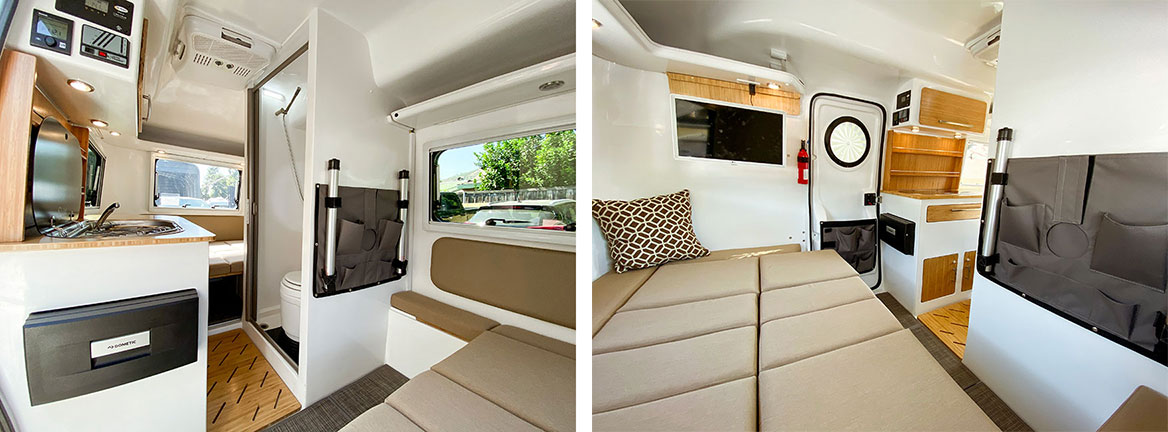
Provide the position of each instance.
(714, 131)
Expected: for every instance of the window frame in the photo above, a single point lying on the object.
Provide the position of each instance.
(511, 233)
(93, 148)
(673, 97)
(153, 181)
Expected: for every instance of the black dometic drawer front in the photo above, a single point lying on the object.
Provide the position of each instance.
(898, 232)
(80, 350)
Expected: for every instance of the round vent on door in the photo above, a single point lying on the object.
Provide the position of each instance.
(847, 141)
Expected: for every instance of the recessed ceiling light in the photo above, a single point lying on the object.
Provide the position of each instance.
(551, 85)
(916, 129)
(115, 133)
(772, 86)
(99, 123)
(80, 85)
(596, 24)
(957, 135)
(161, 152)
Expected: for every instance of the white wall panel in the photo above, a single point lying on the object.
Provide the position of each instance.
(1071, 80)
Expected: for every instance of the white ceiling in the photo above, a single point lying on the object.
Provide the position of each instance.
(920, 38)
(419, 49)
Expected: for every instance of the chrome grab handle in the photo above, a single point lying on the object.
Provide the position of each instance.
(989, 235)
(951, 123)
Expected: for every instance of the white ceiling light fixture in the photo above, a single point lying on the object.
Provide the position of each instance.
(80, 85)
(99, 123)
(115, 133)
(596, 24)
(957, 135)
(772, 86)
(916, 128)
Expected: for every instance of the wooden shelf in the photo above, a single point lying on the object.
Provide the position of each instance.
(928, 152)
(925, 173)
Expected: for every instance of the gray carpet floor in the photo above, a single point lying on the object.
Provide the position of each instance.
(985, 398)
(344, 405)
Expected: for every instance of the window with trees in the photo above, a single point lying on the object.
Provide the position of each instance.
(526, 182)
(180, 184)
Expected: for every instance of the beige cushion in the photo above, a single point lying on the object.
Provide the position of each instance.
(724, 407)
(787, 270)
(788, 340)
(537, 385)
(728, 254)
(218, 267)
(647, 232)
(785, 302)
(611, 291)
(1144, 410)
(625, 378)
(233, 253)
(643, 327)
(436, 403)
(673, 285)
(887, 383)
(381, 418)
(537, 340)
(460, 323)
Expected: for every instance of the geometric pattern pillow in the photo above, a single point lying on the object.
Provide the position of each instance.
(647, 232)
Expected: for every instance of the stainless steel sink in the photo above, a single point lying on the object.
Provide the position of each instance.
(120, 228)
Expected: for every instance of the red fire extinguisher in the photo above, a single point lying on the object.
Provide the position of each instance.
(804, 163)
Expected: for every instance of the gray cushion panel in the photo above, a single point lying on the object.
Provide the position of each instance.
(643, 327)
(786, 302)
(788, 270)
(792, 339)
(438, 404)
(725, 407)
(683, 283)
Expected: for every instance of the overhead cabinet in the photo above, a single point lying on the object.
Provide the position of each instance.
(734, 92)
(937, 110)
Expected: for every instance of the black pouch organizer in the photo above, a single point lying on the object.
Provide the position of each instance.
(1087, 238)
(368, 232)
(855, 241)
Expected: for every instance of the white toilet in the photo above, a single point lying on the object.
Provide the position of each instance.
(290, 305)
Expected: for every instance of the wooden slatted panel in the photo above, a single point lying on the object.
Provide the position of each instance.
(940, 277)
(950, 111)
(952, 212)
(244, 393)
(734, 92)
(950, 324)
(17, 77)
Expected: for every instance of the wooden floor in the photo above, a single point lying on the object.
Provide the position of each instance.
(950, 324)
(243, 392)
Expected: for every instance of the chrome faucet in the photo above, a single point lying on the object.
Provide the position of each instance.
(105, 215)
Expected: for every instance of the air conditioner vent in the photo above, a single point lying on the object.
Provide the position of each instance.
(222, 56)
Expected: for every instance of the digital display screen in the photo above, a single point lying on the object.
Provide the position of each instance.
(711, 131)
(50, 26)
(100, 5)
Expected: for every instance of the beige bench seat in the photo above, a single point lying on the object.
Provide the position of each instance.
(503, 380)
(887, 383)
(826, 353)
(226, 258)
(457, 322)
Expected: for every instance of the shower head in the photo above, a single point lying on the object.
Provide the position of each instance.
(284, 110)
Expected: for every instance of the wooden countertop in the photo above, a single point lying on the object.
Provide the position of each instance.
(191, 233)
(929, 195)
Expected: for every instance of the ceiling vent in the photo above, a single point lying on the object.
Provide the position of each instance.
(209, 53)
(985, 46)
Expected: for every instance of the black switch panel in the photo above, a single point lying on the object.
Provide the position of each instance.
(51, 32)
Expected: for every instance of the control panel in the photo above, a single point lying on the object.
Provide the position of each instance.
(113, 14)
(51, 32)
(105, 46)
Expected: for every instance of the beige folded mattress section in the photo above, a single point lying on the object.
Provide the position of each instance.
(682, 352)
(826, 353)
(506, 379)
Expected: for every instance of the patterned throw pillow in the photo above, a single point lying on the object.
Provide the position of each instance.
(646, 232)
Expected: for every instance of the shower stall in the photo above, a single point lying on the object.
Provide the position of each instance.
(278, 110)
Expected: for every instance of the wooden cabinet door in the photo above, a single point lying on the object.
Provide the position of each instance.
(940, 277)
(967, 270)
(950, 111)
